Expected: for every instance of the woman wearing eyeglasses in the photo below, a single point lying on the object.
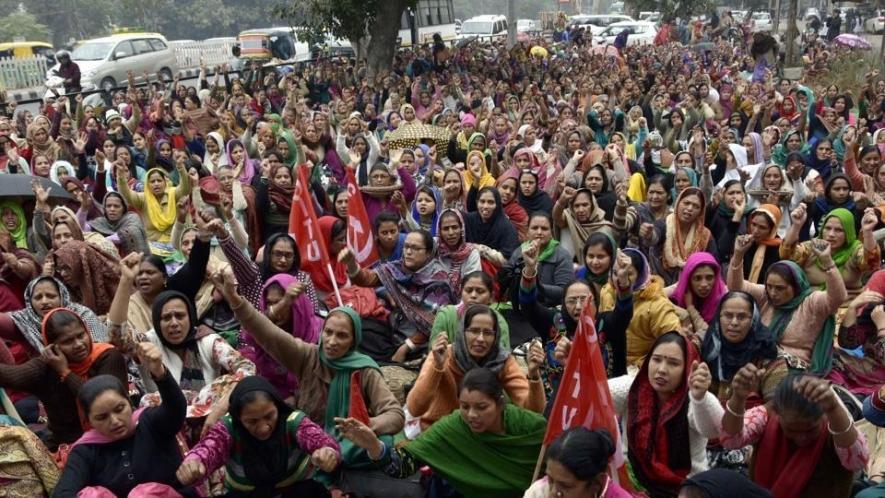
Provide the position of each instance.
(418, 286)
(477, 344)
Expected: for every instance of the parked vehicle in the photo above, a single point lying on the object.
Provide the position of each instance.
(640, 33)
(875, 23)
(486, 26)
(27, 49)
(596, 22)
(262, 45)
(529, 26)
(762, 22)
(105, 62)
(649, 16)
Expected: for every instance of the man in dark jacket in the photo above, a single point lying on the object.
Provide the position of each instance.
(69, 70)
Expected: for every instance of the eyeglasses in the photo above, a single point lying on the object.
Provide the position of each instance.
(573, 301)
(411, 248)
(489, 334)
(734, 317)
(282, 255)
(824, 149)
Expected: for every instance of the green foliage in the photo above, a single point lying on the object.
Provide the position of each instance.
(348, 19)
(22, 24)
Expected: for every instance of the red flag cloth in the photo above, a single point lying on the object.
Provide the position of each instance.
(358, 408)
(360, 239)
(583, 397)
(304, 227)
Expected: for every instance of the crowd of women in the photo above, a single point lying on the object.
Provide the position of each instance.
(163, 334)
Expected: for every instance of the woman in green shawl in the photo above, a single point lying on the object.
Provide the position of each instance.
(476, 288)
(335, 379)
(800, 317)
(487, 448)
(289, 148)
(14, 222)
(853, 257)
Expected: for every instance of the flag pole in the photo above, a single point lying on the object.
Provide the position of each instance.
(334, 284)
(540, 461)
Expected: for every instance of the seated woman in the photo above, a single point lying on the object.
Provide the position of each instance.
(762, 225)
(577, 465)
(266, 447)
(531, 196)
(631, 221)
(772, 186)
(273, 197)
(476, 288)
(122, 227)
(477, 345)
(680, 235)
(800, 318)
(203, 364)
(385, 183)
(668, 405)
(486, 448)
(453, 250)
(69, 358)
(852, 257)
(864, 318)
(17, 269)
(90, 273)
(599, 257)
(554, 267)
(737, 337)
(157, 204)
(508, 188)
(804, 441)
(283, 301)
(489, 226)
(728, 217)
(577, 216)
(698, 292)
(418, 285)
(127, 452)
(425, 212)
(280, 255)
(653, 313)
(554, 326)
(16, 224)
(42, 295)
(328, 372)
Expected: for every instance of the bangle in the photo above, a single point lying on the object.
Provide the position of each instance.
(830, 268)
(736, 414)
(529, 277)
(834, 433)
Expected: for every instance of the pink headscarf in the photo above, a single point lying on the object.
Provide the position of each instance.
(706, 307)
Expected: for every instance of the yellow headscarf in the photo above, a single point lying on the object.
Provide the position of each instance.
(161, 218)
(485, 180)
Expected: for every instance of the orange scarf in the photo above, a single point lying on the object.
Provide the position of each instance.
(95, 349)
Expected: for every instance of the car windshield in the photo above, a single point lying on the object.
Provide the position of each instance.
(92, 51)
(476, 27)
(760, 16)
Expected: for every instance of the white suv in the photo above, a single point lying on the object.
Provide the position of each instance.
(105, 62)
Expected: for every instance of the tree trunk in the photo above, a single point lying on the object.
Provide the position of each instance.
(382, 44)
(792, 32)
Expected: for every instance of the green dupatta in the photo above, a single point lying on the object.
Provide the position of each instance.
(338, 401)
(483, 465)
(546, 252)
(822, 353)
(842, 255)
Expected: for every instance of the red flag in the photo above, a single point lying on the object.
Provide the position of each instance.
(583, 397)
(304, 227)
(358, 408)
(359, 231)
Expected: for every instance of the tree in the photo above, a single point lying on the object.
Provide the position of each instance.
(371, 26)
(22, 24)
(792, 34)
(670, 9)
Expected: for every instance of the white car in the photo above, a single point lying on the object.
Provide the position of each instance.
(105, 62)
(530, 26)
(484, 27)
(640, 33)
(596, 22)
(876, 23)
(762, 22)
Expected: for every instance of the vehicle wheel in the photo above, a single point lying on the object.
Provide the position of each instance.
(166, 73)
(108, 84)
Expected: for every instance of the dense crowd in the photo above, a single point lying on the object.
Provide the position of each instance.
(169, 330)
